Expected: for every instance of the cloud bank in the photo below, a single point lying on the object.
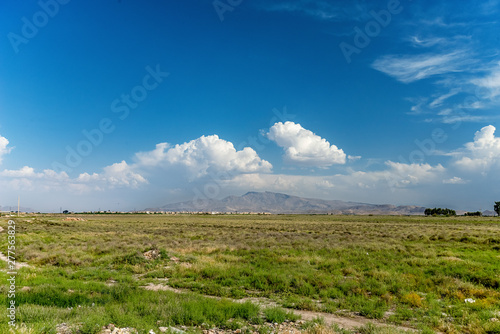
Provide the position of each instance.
(177, 170)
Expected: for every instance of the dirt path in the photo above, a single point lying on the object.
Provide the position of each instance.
(330, 319)
(344, 322)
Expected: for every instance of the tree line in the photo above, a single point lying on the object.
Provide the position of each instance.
(474, 214)
(449, 212)
(439, 212)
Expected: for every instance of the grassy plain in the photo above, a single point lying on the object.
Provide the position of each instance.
(412, 271)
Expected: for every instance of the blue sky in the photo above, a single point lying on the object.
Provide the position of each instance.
(128, 104)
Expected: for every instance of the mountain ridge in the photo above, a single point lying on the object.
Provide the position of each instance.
(276, 203)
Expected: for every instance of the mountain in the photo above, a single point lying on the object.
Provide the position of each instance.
(282, 203)
(489, 213)
(7, 208)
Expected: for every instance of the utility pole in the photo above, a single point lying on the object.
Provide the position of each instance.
(18, 202)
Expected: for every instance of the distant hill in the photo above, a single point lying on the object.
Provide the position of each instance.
(489, 213)
(282, 203)
(14, 208)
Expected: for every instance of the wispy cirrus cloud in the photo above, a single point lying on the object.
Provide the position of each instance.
(490, 7)
(458, 73)
(448, 44)
(442, 22)
(490, 82)
(454, 119)
(438, 101)
(410, 68)
(321, 10)
(425, 42)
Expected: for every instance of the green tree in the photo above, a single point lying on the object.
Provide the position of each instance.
(477, 214)
(440, 212)
(496, 208)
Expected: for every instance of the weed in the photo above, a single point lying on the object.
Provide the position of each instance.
(278, 315)
(413, 299)
(317, 321)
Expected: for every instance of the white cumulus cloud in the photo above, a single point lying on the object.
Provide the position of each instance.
(117, 174)
(199, 157)
(29, 173)
(4, 142)
(454, 180)
(303, 147)
(205, 154)
(482, 153)
(27, 178)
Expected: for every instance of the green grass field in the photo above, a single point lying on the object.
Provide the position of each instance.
(411, 271)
